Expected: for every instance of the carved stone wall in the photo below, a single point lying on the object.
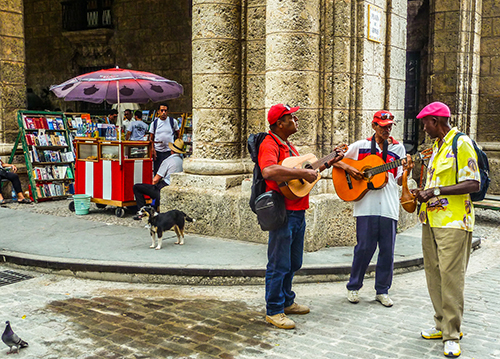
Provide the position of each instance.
(153, 36)
(488, 125)
(252, 54)
(461, 68)
(489, 101)
(12, 68)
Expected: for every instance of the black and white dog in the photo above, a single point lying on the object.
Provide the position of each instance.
(162, 222)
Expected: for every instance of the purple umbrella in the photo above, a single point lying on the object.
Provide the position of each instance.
(103, 85)
(118, 85)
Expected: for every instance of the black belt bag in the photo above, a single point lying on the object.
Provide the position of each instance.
(271, 210)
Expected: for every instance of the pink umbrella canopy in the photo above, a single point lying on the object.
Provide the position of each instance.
(134, 86)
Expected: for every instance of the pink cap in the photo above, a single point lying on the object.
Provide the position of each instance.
(278, 111)
(437, 109)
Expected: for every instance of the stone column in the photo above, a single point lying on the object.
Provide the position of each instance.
(217, 123)
(488, 124)
(255, 63)
(292, 63)
(12, 68)
(454, 59)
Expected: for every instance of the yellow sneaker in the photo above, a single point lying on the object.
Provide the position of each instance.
(281, 321)
(434, 333)
(297, 309)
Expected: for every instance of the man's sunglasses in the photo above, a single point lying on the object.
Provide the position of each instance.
(386, 116)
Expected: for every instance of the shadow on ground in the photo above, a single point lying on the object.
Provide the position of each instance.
(167, 327)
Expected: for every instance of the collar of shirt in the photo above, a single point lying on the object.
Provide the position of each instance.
(392, 141)
(447, 140)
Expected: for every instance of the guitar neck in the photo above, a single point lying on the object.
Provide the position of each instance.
(386, 167)
(321, 161)
(389, 166)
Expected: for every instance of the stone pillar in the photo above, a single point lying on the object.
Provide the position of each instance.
(395, 66)
(254, 60)
(454, 59)
(251, 54)
(488, 124)
(12, 68)
(217, 148)
(292, 63)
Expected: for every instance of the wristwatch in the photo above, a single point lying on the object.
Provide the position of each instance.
(437, 191)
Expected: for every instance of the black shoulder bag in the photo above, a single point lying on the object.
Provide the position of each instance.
(270, 208)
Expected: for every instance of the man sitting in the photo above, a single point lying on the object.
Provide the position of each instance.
(171, 164)
(14, 178)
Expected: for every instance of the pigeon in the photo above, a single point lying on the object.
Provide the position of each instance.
(11, 339)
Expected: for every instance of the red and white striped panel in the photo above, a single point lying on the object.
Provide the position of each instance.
(109, 181)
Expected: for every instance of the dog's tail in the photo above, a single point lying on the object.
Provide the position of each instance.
(187, 218)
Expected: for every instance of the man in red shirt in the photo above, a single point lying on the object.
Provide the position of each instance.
(286, 244)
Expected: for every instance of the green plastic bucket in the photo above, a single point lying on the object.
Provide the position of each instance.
(82, 203)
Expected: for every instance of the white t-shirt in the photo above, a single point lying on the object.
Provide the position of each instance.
(383, 202)
(171, 164)
(163, 133)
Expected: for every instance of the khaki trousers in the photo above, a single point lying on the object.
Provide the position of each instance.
(446, 255)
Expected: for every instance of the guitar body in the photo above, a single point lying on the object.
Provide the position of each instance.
(295, 189)
(359, 187)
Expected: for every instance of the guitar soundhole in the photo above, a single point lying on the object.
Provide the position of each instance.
(308, 166)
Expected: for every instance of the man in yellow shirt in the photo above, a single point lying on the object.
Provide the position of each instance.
(447, 215)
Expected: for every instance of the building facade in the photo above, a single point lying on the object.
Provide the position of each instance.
(341, 61)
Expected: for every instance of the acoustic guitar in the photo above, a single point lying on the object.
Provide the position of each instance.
(375, 176)
(298, 188)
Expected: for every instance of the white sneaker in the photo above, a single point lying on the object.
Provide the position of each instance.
(451, 349)
(384, 300)
(353, 296)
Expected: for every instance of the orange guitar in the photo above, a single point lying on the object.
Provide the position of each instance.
(375, 176)
(299, 188)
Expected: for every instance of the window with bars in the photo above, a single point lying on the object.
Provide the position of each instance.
(411, 125)
(86, 14)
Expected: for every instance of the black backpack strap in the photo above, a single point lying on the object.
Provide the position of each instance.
(172, 127)
(385, 149)
(155, 123)
(454, 148)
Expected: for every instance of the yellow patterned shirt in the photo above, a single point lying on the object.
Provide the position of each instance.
(452, 211)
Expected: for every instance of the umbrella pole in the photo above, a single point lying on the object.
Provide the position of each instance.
(120, 120)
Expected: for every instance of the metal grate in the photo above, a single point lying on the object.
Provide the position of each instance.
(9, 277)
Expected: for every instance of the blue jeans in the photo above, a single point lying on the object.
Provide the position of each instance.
(284, 255)
(370, 231)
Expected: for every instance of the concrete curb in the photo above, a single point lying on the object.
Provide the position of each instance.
(189, 274)
(181, 274)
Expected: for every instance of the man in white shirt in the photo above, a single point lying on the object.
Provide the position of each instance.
(172, 164)
(127, 119)
(163, 130)
(377, 213)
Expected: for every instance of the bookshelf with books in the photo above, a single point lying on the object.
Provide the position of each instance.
(48, 154)
(186, 132)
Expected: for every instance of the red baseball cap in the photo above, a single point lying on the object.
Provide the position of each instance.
(383, 118)
(437, 109)
(278, 111)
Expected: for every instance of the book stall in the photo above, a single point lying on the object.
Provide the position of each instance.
(47, 152)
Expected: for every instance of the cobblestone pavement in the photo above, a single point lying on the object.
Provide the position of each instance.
(64, 317)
